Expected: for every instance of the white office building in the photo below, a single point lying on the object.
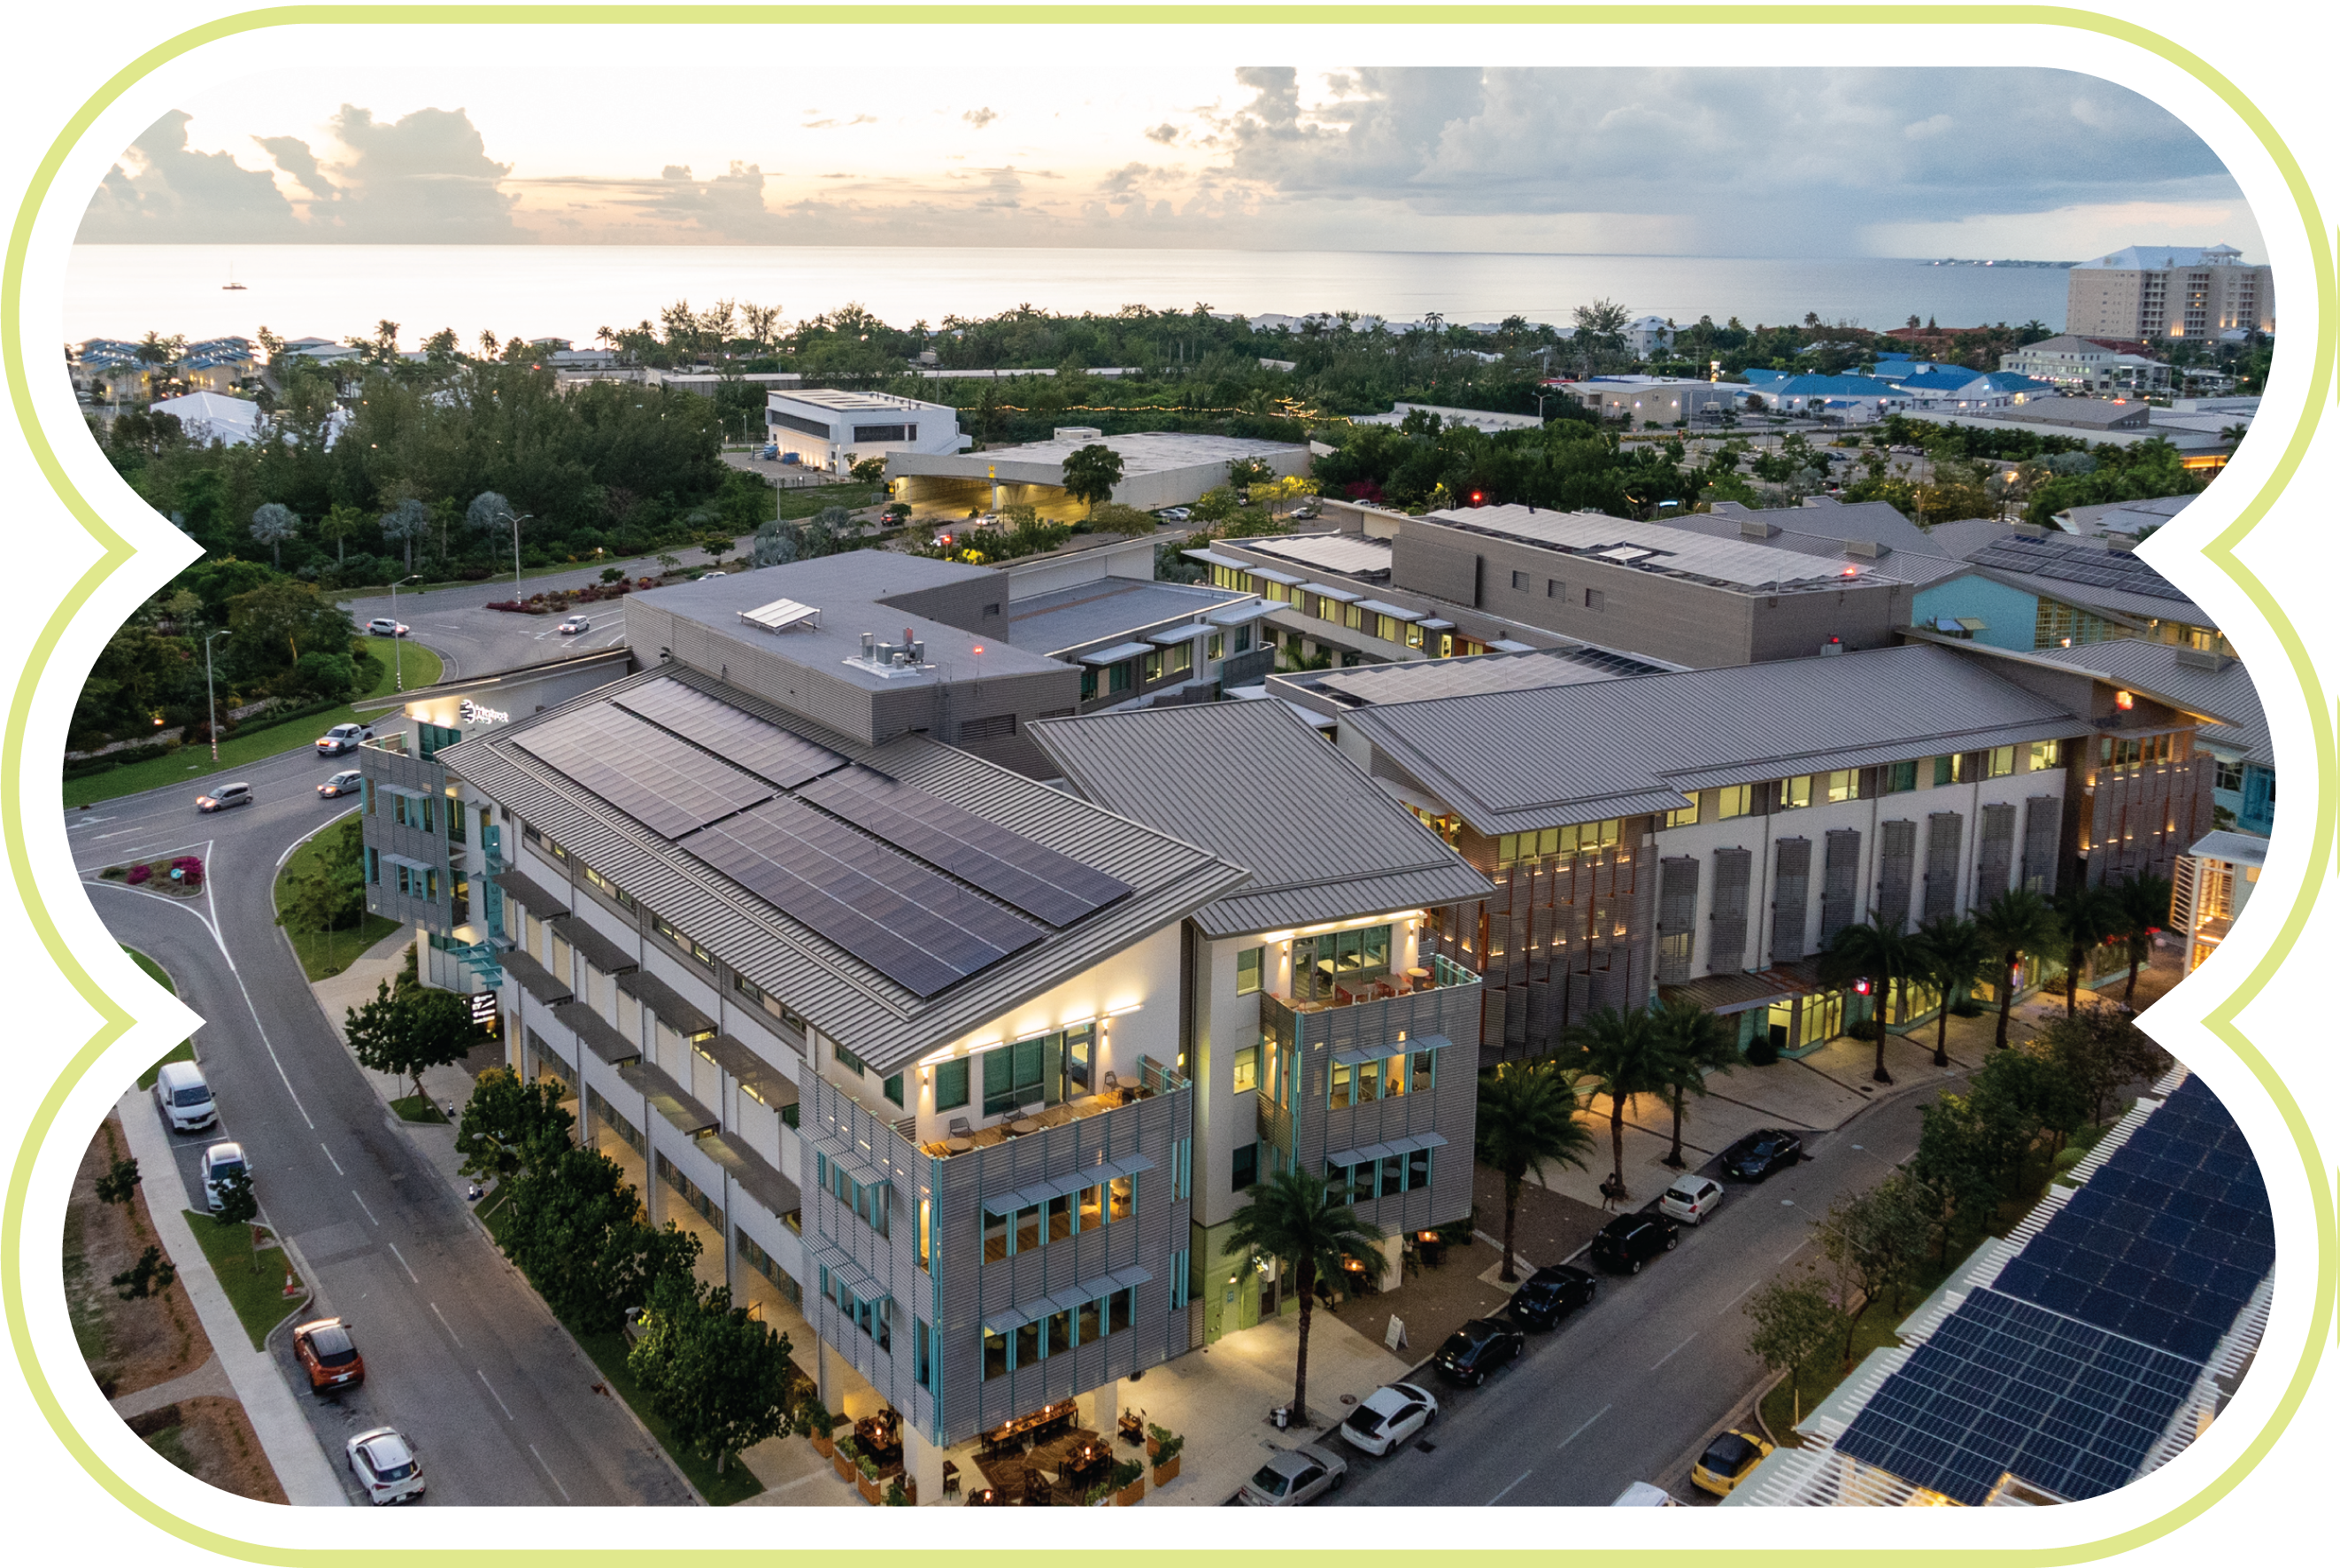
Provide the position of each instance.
(833, 429)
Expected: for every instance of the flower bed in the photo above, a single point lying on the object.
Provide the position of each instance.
(182, 876)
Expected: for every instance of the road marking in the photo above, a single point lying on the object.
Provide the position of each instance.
(1799, 1248)
(210, 888)
(1506, 1492)
(447, 1326)
(1579, 1430)
(548, 1470)
(362, 1204)
(1669, 1355)
(402, 1260)
(1750, 1286)
(334, 1163)
(493, 1394)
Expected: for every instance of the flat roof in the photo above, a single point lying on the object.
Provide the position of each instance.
(1420, 679)
(1347, 553)
(1743, 566)
(841, 402)
(1116, 607)
(1149, 451)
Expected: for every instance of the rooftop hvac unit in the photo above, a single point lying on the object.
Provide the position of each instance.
(1866, 548)
(1755, 528)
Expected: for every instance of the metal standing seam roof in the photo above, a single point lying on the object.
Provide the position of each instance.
(2112, 602)
(1168, 766)
(879, 1019)
(2085, 565)
(1347, 553)
(1508, 761)
(1742, 566)
(2229, 693)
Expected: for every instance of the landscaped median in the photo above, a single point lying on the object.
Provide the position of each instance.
(321, 901)
(253, 1270)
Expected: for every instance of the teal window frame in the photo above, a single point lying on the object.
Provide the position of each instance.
(951, 1084)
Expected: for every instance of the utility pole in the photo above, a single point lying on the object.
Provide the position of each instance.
(210, 700)
(396, 664)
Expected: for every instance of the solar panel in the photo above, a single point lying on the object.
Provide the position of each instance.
(1037, 879)
(766, 750)
(780, 615)
(665, 784)
(920, 930)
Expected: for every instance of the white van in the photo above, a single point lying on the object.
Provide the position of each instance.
(184, 1096)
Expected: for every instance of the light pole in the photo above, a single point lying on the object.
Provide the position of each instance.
(516, 521)
(396, 664)
(210, 699)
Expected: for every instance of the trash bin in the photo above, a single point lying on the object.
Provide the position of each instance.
(1281, 1417)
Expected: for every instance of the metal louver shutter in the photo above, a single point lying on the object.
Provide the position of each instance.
(1993, 853)
(1726, 952)
(2043, 834)
(1839, 881)
(1790, 898)
(1945, 833)
(1897, 854)
(1677, 916)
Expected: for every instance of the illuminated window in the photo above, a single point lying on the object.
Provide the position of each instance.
(1796, 793)
(1844, 784)
(1734, 801)
(1684, 818)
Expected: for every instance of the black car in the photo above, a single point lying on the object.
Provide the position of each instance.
(1480, 1346)
(1630, 1240)
(1760, 1152)
(1548, 1294)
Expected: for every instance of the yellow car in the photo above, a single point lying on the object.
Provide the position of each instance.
(1728, 1460)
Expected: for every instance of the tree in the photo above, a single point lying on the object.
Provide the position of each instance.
(1600, 338)
(1527, 1118)
(868, 471)
(1887, 957)
(404, 523)
(1951, 955)
(574, 1226)
(1292, 1218)
(2086, 918)
(508, 1125)
(717, 1378)
(272, 525)
(1956, 1165)
(1091, 473)
(119, 1185)
(1796, 1326)
(407, 1033)
(2144, 900)
(330, 894)
(1693, 1043)
(336, 526)
(490, 511)
(151, 1275)
(238, 1204)
(1623, 1057)
(1873, 1241)
(2098, 1051)
(1112, 517)
(2016, 924)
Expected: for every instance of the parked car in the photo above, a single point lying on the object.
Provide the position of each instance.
(219, 1162)
(184, 1096)
(575, 624)
(348, 781)
(708, 576)
(1761, 1152)
(1174, 514)
(1642, 1494)
(383, 626)
(226, 796)
(385, 1465)
(1630, 1240)
(1388, 1417)
(1548, 1294)
(1481, 1347)
(343, 738)
(1691, 1198)
(1294, 1476)
(328, 1355)
(1728, 1460)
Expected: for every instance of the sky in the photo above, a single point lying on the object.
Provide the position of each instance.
(2012, 163)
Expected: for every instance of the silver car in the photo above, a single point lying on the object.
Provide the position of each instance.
(1296, 1476)
(386, 1465)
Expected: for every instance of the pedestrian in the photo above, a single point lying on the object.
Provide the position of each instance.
(1612, 1189)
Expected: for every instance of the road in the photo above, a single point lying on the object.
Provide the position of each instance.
(1632, 1387)
(460, 1354)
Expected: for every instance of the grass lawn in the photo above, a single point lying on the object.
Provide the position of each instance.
(418, 1108)
(184, 1051)
(804, 502)
(325, 954)
(259, 1295)
(736, 1484)
(423, 668)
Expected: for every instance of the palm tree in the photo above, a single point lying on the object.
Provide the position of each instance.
(1888, 956)
(2086, 918)
(272, 525)
(1527, 1116)
(1292, 1218)
(2144, 899)
(2016, 924)
(1951, 955)
(1695, 1044)
(1623, 1057)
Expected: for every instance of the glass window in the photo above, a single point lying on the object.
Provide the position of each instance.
(1091, 1319)
(885, 1328)
(1897, 777)
(1088, 684)
(1017, 1075)
(1417, 1170)
(1247, 1062)
(951, 1083)
(1413, 635)
(1735, 801)
(1117, 677)
(925, 1358)
(1392, 1175)
(1060, 1331)
(1424, 1072)
(1092, 1208)
(1353, 619)
(851, 1063)
(1078, 1045)
(894, 1088)
(1027, 1344)
(1027, 1228)
(1247, 1166)
(1796, 793)
(1393, 1076)
(2002, 762)
(2046, 754)
(1520, 581)
(1122, 1306)
(1844, 784)
(995, 1236)
(1341, 1073)
(1215, 646)
(1336, 1185)
(1945, 771)
(1124, 1195)
(1369, 1082)
(1060, 1216)
(2230, 775)
(1685, 818)
(925, 1231)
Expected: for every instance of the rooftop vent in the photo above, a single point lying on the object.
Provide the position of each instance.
(1755, 528)
(907, 657)
(2120, 543)
(1866, 548)
(2203, 659)
(1079, 432)
(2029, 530)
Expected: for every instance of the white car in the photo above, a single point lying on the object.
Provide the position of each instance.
(1642, 1494)
(1388, 1417)
(575, 624)
(343, 738)
(221, 1161)
(710, 576)
(184, 1096)
(383, 626)
(1691, 1198)
(385, 1465)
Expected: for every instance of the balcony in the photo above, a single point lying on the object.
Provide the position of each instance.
(1440, 999)
(1154, 1079)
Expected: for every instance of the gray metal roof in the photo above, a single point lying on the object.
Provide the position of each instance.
(1511, 760)
(2155, 667)
(1114, 608)
(1350, 554)
(1742, 565)
(2088, 575)
(1419, 680)
(1260, 788)
(879, 1019)
(1909, 554)
(2238, 849)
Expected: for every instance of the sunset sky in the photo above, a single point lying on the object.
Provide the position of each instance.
(1776, 162)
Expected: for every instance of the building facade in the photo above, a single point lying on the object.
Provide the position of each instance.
(833, 429)
(2169, 292)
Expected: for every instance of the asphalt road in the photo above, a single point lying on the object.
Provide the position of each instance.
(460, 1354)
(1632, 1387)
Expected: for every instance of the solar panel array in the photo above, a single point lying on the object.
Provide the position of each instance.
(764, 749)
(2004, 1385)
(2062, 562)
(919, 929)
(1037, 879)
(668, 785)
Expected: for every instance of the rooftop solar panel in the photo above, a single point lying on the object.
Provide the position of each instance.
(1037, 879)
(666, 784)
(764, 749)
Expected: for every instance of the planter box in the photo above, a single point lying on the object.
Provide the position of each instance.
(869, 1492)
(1152, 1448)
(846, 1469)
(1168, 1471)
(1130, 1494)
(824, 1446)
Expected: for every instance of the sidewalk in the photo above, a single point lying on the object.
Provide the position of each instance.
(303, 1467)
(448, 1087)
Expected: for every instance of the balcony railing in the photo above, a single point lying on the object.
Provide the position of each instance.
(1439, 974)
(1443, 999)
(1153, 1079)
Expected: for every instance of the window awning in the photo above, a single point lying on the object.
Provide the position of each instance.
(1116, 653)
(1250, 609)
(1009, 1319)
(1394, 611)
(410, 865)
(1034, 1194)
(1404, 1146)
(1505, 645)
(1213, 558)
(1187, 633)
(1269, 574)
(836, 1260)
(1438, 624)
(1338, 595)
(1356, 1054)
(407, 791)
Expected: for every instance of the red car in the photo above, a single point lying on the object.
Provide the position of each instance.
(328, 1355)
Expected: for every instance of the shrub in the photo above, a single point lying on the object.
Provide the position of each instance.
(1762, 1053)
(113, 873)
(475, 574)
(140, 874)
(190, 869)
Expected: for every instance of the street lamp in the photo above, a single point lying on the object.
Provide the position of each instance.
(396, 664)
(516, 521)
(210, 700)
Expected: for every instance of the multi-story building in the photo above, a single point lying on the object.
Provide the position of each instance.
(1322, 1034)
(2213, 885)
(2027, 588)
(1158, 469)
(2169, 292)
(830, 429)
(2240, 745)
(2083, 364)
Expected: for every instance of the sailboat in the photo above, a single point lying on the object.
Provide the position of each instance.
(231, 283)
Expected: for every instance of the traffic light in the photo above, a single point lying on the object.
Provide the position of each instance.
(1860, 987)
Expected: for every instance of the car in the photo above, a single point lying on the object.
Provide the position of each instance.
(219, 1162)
(226, 796)
(1642, 1494)
(348, 781)
(328, 1355)
(385, 1465)
(1481, 1347)
(1760, 1152)
(1691, 1198)
(1728, 1460)
(1548, 1294)
(1294, 1476)
(708, 576)
(383, 626)
(184, 1096)
(575, 624)
(1174, 514)
(1630, 1240)
(343, 738)
(1388, 1417)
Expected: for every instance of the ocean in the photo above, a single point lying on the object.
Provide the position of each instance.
(548, 291)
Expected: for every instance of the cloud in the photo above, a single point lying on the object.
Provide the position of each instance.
(1934, 126)
(1166, 133)
(423, 178)
(979, 118)
(163, 191)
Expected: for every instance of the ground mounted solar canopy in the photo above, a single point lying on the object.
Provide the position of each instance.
(668, 785)
(1037, 879)
(764, 749)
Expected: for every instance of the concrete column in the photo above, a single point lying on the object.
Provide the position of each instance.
(1105, 1409)
(731, 1245)
(653, 1187)
(824, 1380)
(923, 1463)
(1392, 1251)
